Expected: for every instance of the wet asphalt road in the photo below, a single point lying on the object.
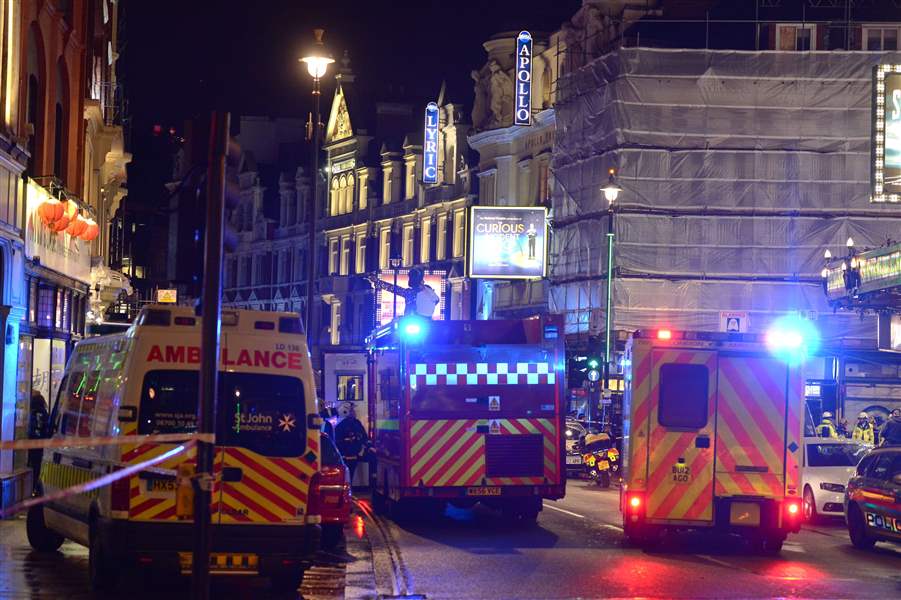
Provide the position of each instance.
(577, 552)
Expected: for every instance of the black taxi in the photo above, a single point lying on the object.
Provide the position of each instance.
(873, 499)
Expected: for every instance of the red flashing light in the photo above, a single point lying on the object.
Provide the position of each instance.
(664, 334)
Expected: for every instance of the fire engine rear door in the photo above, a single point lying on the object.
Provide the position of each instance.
(681, 430)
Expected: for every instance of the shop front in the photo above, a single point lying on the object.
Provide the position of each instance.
(57, 279)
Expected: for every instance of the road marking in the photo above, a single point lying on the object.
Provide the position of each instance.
(793, 547)
(614, 527)
(564, 511)
(717, 561)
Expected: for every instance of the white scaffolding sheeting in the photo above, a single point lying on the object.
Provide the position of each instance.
(738, 169)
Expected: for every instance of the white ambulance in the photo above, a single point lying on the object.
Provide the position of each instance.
(146, 381)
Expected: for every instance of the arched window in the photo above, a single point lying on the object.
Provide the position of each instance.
(342, 195)
(335, 198)
(34, 101)
(349, 198)
(61, 122)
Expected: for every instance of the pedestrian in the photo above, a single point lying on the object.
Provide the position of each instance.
(38, 429)
(891, 431)
(327, 427)
(826, 428)
(863, 431)
(351, 438)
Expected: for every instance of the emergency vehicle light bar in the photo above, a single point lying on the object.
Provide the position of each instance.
(705, 336)
(258, 320)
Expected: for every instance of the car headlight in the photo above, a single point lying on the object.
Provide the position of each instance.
(832, 487)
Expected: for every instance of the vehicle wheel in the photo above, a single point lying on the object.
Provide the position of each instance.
(769, 544)
(857, 529)
(332, 539)
(810, 506)
(41, 538)
(103, 574)
(603, 479)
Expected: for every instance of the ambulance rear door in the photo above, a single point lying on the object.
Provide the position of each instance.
(681, 430)
(751, 424)
(268, 456)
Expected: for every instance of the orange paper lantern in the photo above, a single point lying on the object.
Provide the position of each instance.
(50, 210)
(70, 212)
(91, 231)
(77, 226)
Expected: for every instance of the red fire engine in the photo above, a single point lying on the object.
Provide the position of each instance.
(466, 412)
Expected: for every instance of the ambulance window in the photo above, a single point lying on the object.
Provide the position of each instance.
(262, 413)
(168, 402)
(70, 397)
(683, 396)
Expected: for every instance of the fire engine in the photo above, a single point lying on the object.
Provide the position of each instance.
(712, 433)
(466, 412)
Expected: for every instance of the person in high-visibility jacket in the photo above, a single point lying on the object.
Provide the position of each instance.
(863, 431)
(826, 428)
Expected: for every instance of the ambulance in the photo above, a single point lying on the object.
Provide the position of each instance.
(712, 434)
(145, 381)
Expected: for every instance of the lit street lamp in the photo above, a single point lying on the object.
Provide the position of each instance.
(611, 192)
(317, 61)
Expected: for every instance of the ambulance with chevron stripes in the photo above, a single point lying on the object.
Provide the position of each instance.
(467, 412)
(712, 432)
(145, 382)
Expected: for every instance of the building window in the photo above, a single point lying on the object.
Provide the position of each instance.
(408, 245)
(335, 329)
(425, 248)
(246, 266)
(45, 306)
(441, 235)
(544, 191)
(386, 185)
(299, 265)
(796, 37)
(363, 201)
(410, 187)
(58, 322)
(333, 256)
(459, 231)
(32, 300)
(488, 188)
(345, 256)
(384, 248)
(334, 197)
(881, 38)
(361, 253)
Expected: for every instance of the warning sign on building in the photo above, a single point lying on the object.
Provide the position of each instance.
(494, 427)
(734, 321)
(494, 403)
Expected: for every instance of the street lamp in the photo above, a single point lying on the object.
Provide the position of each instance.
(611, 192)
(317, 61)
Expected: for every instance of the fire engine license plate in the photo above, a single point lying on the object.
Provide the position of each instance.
(574, 460)
(483, 491)
(161, 485)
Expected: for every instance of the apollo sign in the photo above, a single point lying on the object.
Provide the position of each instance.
(430, 147)
(523, 112)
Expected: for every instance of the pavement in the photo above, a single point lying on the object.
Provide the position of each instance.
(575, 551)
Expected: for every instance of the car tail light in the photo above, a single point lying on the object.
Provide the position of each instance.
(314, 501)
(120, 494)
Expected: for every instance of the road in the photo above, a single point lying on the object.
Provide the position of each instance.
(577, 552)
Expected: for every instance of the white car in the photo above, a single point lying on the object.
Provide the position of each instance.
(828, 465)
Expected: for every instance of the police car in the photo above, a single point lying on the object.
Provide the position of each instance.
(873, 499)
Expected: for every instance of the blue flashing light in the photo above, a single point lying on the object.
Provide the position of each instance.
(412, 328)
(792, 338)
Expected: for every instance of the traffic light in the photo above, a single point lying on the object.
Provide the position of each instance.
(593, 363)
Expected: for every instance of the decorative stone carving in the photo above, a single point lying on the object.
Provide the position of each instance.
(501, 90)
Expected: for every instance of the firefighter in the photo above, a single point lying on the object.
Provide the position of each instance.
(863, 431)
(826, 428)
(351, 438)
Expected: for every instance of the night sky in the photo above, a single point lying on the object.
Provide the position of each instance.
(182, 57)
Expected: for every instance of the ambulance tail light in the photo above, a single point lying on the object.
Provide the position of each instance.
(793, 510)
(634, 503)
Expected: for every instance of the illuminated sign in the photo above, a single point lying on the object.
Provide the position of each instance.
(508, 242)
(384, 299)
(523, 114)
(430, 145)
(167, 296)
(56, 249)
(886, 143)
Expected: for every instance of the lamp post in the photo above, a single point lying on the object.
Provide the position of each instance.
(317, 61)
(611, 192)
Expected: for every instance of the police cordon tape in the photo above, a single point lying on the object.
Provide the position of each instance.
(190, 440)
(119, 440)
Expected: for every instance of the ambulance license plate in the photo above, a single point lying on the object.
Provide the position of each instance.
(483, 491)
(221, 562)
(161, 485)
(574, 460)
